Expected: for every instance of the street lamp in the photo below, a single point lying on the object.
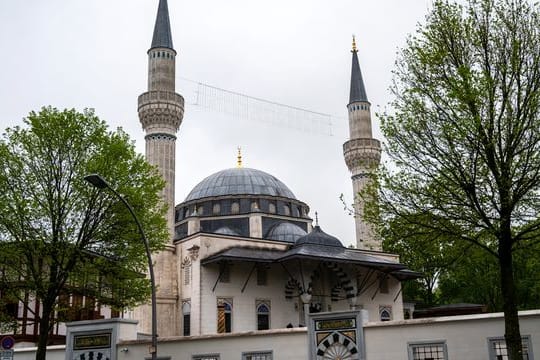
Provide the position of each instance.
(100, 183)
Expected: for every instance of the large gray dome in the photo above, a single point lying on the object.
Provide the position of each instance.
(240, 181)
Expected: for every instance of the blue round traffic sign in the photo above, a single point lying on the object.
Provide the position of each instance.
(7, 342)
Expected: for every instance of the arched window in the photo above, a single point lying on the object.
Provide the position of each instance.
(224, 320)
(272, 208)
(235, 208)
(186, 312)
(216, 209)
(263, 316)
(286, 210)
(385, 313)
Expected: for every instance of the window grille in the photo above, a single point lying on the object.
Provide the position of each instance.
(498, 350)
(428, 351)
(186, 310)
(263, 355)
(206, 357)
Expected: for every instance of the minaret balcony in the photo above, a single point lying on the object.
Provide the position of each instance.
(161, 111)
(362, 153)
(361, 143)
(158, 96)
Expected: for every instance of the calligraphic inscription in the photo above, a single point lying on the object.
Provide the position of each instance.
(93, 341)
(335, 324)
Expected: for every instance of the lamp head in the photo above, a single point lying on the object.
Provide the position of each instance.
(96, 181)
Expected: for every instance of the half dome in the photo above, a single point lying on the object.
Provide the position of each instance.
(285, 231)
(319, 237)
(225, 230)
(239, 181)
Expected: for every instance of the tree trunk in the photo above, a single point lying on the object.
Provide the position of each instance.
(44, 329)
(511, 320)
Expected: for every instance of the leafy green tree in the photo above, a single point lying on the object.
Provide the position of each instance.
(59, 236)
(475, 279)
(464, 134)
(424, 250)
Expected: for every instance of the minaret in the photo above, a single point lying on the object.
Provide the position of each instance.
(362, 153)
(161, 111)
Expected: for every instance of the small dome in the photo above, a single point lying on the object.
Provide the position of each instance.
(319, 237)
(285, 231)
(225, 230)
(239, 181)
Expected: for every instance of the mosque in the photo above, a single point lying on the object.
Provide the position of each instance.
(249, 274)
(243, 252)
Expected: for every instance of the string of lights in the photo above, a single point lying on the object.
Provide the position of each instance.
(246, 107)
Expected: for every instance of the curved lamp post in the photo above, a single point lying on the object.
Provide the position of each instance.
(100, 183)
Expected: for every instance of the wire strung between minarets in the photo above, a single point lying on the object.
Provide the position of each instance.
(246, 107)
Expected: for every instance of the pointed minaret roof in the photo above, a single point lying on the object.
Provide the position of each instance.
(162, 30)
(358, 90)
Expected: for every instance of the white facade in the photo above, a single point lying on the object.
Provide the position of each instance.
(201, 289)
(470, 337)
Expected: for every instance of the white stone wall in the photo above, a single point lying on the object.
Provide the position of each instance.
(466, 338)
(287, 344)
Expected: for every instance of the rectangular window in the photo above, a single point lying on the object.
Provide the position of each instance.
(383, 284)
(262, 355)
(187, 275)
(435, 350)
(224, 273)
(498, 351)
(206, 357)
(187, 324)
(262, 276)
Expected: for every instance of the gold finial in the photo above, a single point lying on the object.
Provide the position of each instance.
(239, 158)
(354, 44)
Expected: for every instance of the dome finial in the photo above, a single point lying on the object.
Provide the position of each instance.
(354, 49)
(239, 158)
(316, 218)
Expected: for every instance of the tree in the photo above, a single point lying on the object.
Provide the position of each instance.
(464, 134)
(424, 250)
(475, 279)
(59, 236)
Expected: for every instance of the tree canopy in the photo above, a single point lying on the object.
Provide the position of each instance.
(464, 134)
(61, 237)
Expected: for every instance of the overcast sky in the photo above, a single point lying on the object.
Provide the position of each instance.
(92, 53)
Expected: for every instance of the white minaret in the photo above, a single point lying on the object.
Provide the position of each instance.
(161, 111)
(362, 153)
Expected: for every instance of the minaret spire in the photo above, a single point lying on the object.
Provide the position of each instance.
(358, 90)
(162, 29)
(362, 153)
